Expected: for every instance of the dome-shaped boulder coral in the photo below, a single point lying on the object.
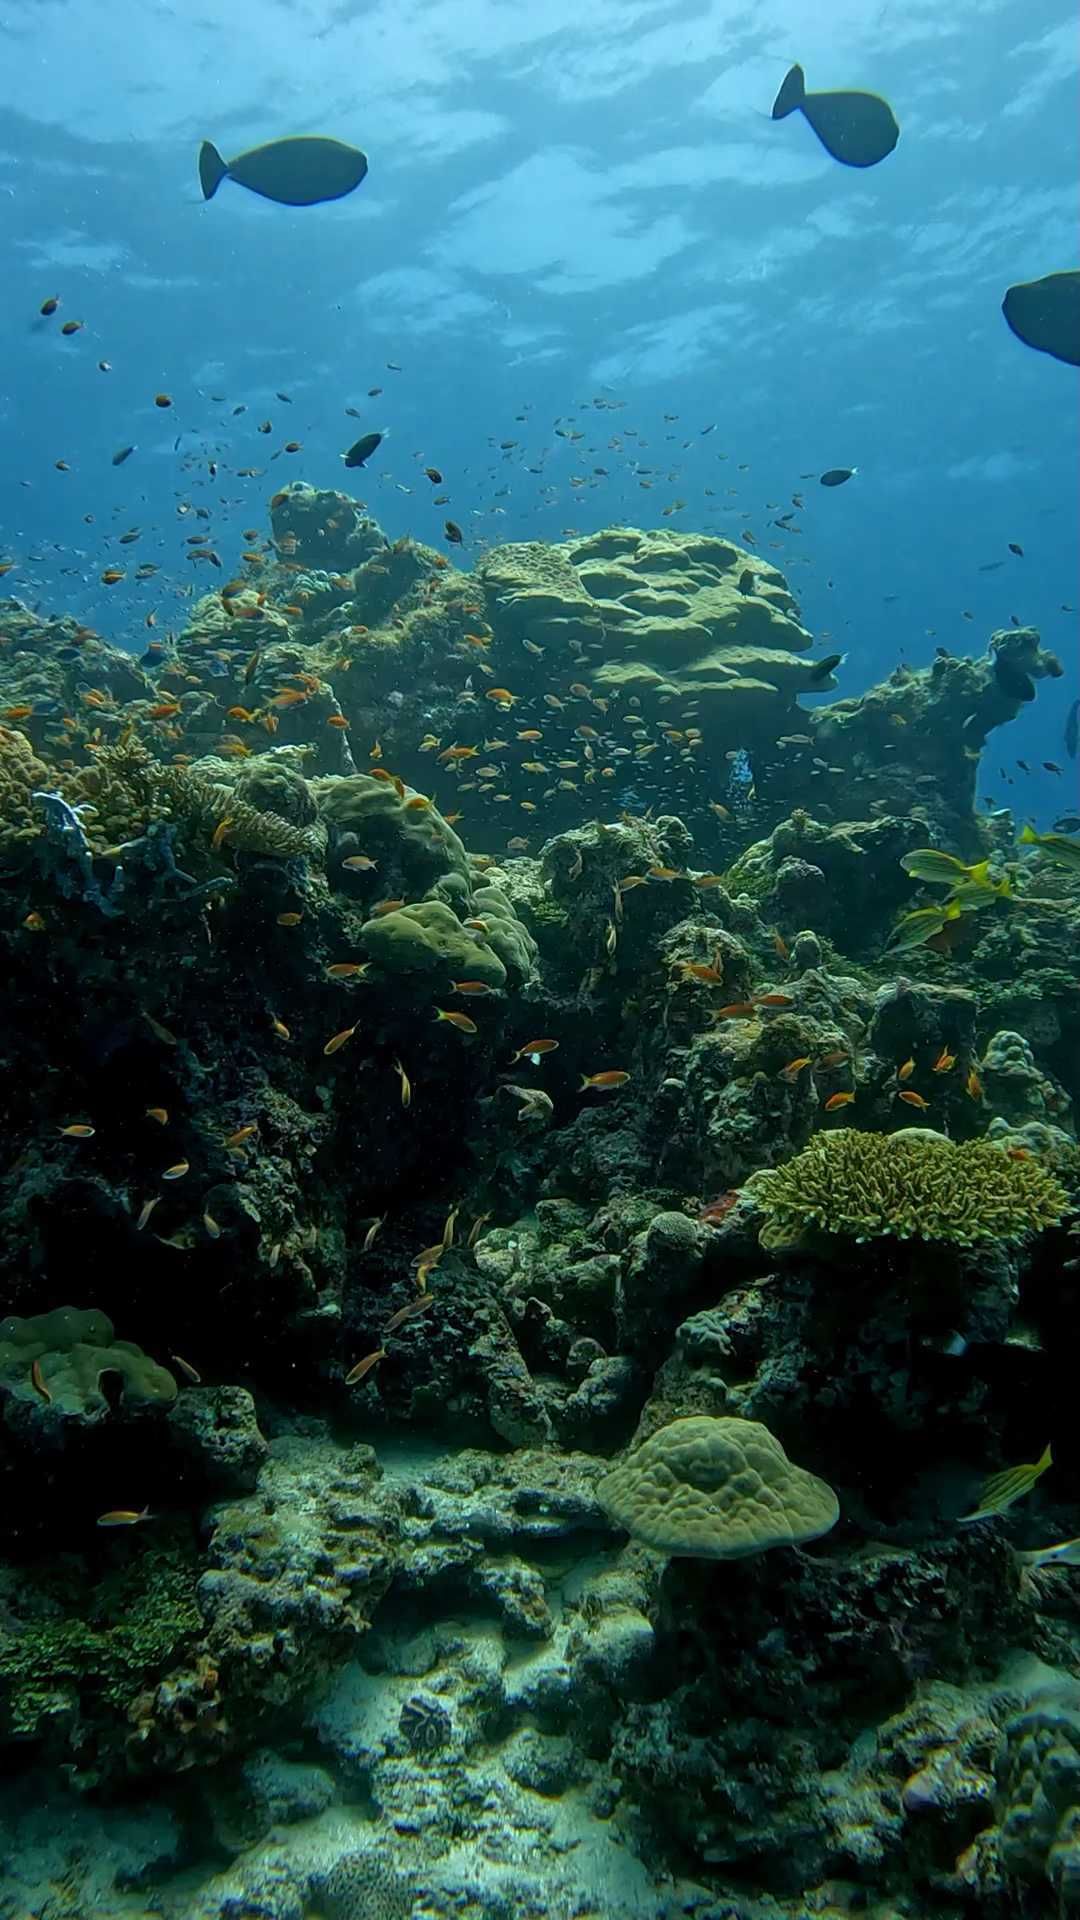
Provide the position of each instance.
(406, 837)
(51, 1367)
(716, 1489)
(429, 938)
(689, 615)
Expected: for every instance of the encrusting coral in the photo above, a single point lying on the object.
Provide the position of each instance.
(914, 1184)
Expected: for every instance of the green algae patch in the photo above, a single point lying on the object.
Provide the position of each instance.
(911, 1185)
(90, 1649)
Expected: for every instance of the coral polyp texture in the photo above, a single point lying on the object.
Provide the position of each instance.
(914, 1184)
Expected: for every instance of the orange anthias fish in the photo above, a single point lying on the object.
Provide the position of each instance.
(471, 986)
(795, 1067)
(459, 1020)
(406, 1084)
(913, 1099)
(905, 1072)
(338, 1040)
(363, 1367)
(738, 1010)
(615, 1077)
(973, 1086)
(123, 1517)
(836, 1100)
(716, 1210)
(773, 1000)
(531, 1047)
(944, 1062)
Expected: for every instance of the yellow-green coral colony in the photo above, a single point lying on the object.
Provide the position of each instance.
(911, 1185)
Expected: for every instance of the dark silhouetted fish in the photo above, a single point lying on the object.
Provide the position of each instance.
(858, 129)
(296, 172)
(1072, 729)
(1045, 314)
(836, 476)
(361, 450)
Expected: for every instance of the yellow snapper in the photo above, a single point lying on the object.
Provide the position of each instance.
(1056, 846)
(999, 1493)
(915, 929)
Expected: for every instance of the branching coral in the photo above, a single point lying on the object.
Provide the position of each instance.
(915, 1184)
(206, 803)
(131, 789)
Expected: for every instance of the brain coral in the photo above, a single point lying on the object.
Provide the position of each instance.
(716, 1489)
(914, 1184)
(363, 1886)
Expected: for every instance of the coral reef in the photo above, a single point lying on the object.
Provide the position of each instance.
(463, 1028)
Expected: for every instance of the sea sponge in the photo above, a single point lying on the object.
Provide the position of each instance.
(73, 1348)
(429, 938)
(915, 1184)
(716, 1489)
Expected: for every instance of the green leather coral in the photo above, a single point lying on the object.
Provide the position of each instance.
(716, 1489)
(72, 1349)
(915, 1184)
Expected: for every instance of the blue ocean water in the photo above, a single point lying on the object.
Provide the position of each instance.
(575, 220)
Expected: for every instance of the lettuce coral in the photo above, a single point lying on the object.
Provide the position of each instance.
(914, 1184)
